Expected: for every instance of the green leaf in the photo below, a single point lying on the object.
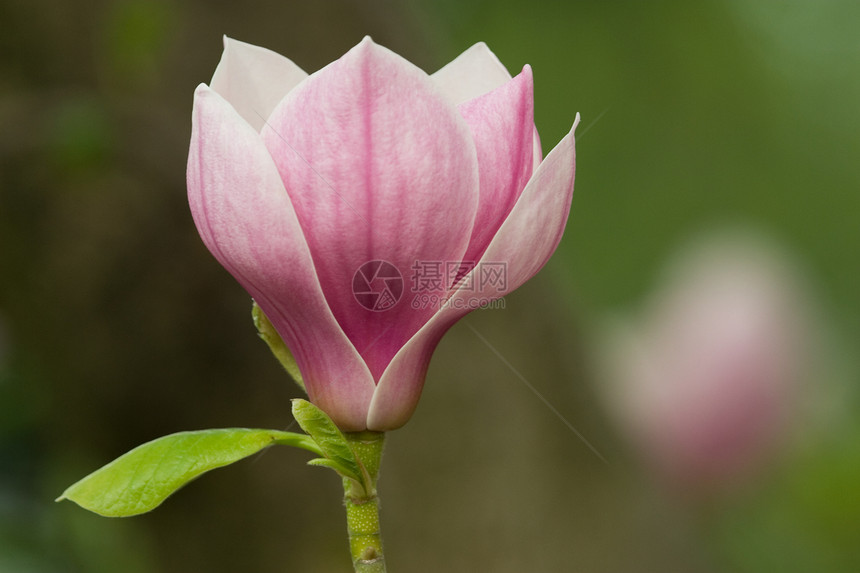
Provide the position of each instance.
(327, 463)
(142, 479)
(276, 344)
(330, 440)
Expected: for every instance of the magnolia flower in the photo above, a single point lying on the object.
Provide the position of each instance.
(706, 383)
(337, 198)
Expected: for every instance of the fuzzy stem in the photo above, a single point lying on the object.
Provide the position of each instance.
(362, 505)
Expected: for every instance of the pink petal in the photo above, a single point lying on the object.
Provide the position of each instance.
(502, 124)
(245, 218)
(254, 79)
(523, 244)
(379, 166)
(474, 72)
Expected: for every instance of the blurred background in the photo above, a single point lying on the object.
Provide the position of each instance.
(117, 326)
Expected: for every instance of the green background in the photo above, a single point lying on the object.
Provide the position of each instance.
(117, 326)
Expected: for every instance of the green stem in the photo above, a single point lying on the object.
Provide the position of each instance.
(362, 504)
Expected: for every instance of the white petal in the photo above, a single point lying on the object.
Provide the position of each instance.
(474, 72)
(254, 79)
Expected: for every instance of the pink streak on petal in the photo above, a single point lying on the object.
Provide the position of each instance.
(524, 243)
(245, 218)
(379, 166)
(254, 79)
(502, 124)
(474, 72)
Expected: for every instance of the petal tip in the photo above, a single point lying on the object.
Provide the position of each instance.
(232, 43)
(201, 90)
(365, 48)
(481, 47)
(527, 74)
(485, 50)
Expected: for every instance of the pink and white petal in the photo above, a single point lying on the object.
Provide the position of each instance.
(254, 79)
(532, 231)
(538, 150)
(502, 124)
(245, 218)
(474, 72)
(523, 244)
(380, 167)
(399, 389)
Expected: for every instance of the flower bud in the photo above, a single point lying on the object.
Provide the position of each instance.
(706, 383)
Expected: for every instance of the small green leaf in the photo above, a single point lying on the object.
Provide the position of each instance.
(142, 479)
(329, 438)
(276, 344)
(327, 463)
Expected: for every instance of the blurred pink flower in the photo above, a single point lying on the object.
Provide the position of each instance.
(318, 193)
(706, 383)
